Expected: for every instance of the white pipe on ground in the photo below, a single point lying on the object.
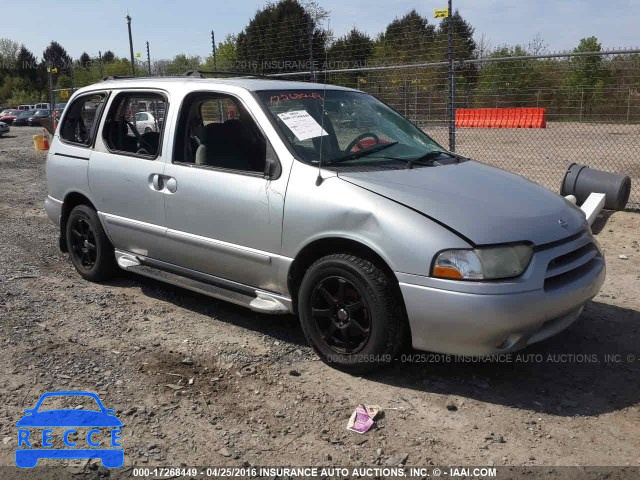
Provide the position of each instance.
(592, 206)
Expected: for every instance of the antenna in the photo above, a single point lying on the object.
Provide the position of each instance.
(319, 178)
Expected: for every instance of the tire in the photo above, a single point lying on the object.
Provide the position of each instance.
(91, 251)
(358, 329)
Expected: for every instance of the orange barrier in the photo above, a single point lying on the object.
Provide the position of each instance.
(501, 117)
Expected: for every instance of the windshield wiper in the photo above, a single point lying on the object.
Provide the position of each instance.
(361, 153)
(429, 157)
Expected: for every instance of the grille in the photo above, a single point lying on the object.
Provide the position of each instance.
(570, 266)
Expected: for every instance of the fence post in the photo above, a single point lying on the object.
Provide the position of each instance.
(452, 81)
(581, 103)
(405, 97)
(629, 105)
(415, 104)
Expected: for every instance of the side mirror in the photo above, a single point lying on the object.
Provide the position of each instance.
(272, 168)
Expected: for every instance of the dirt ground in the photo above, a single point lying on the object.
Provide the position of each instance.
(201, 382)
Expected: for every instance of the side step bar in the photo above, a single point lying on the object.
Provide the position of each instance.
(255, 299)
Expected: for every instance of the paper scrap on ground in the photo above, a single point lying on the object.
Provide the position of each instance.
(362, 418)
(302, 124)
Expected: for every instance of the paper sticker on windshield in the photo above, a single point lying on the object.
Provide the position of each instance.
(302, 124)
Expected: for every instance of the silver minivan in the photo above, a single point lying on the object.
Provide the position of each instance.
(320, 201)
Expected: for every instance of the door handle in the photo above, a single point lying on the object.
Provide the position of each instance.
(171, 184)
(156, 182)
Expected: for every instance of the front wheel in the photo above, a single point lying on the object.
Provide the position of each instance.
(91, 251)
(350, 314)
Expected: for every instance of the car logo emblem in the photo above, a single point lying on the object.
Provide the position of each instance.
(563, 224)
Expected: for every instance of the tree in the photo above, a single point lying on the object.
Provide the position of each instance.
(56, 56)
(409, 39)
(27, 65)
(352, 50)
(537, 45)
(182, 63)
(108, 56)
(512, 81)
(464, 48)
(85, 60)
(484, 46)
(280, 37)
(8, 52)
(587, 74)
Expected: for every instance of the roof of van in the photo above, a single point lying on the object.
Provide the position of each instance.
(252, 84)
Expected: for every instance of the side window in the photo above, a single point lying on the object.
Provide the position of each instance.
(135, 123)
(81, 119)
(215, 130)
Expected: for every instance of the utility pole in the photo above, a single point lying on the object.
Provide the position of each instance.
(133, 65)
(148, 59)
(100, 64)
(213, 47)
(452, 81)
(50, 81)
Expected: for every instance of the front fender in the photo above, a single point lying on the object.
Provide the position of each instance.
(405, 239)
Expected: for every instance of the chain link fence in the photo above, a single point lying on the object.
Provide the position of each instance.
(591, 102)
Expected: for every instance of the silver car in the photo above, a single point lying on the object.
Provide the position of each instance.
(261, 193)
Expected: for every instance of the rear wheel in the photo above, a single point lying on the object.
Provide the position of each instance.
(91, 251)
(350, 314)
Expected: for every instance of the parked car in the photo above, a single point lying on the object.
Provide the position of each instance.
(42, 106)
(8, 116)
(145, 122)
(37, 116)
(25, 107)
(22, 119)
(4, 128)
(256, 192)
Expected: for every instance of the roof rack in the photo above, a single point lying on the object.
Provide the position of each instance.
(115, 77)
(225, 73)
(195, 74)
(124, 77)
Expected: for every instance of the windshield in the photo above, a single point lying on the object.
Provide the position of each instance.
(357, 128)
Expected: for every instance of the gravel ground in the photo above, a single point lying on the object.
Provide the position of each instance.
(202, 382)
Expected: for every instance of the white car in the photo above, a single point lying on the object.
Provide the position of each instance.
(4, 128)
(145, 122)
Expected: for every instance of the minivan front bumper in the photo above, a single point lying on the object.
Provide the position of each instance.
(463, 322)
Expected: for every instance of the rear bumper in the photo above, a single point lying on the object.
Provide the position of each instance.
(463, 323)
(53, 208)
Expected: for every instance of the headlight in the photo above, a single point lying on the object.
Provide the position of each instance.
(485, 263)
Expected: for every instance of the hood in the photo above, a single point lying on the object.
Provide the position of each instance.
(484, 204)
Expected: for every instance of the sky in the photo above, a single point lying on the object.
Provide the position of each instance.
(184, 26)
